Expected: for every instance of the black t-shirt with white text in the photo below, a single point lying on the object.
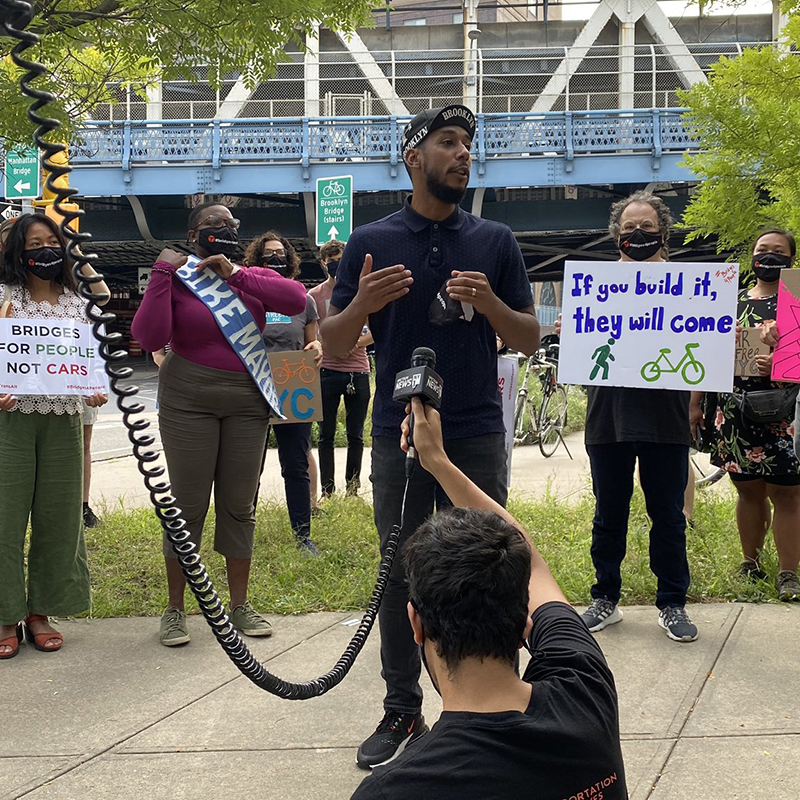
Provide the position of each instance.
(565, 745)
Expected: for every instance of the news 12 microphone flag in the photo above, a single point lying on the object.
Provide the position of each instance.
(44, 357)
(649, 325)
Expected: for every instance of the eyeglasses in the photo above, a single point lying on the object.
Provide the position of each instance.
(215, 221)
(630, 226)
(266, 252)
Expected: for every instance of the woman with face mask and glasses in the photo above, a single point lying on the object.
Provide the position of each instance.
(41, 452)
(212, 416)
(299, 333)
(650, 426)
(759, 456)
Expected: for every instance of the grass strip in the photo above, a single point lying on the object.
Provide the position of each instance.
(128, 572)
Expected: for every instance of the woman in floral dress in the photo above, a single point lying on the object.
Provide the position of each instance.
(760, 457)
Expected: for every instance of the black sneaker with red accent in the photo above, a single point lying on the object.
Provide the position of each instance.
(394, 733)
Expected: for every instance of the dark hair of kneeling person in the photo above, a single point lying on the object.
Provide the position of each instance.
(479, 592)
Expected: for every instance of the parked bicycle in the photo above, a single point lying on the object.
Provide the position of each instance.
(543, 424)
(704, 474)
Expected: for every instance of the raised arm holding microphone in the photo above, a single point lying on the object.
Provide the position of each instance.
(479, 591)
(430, 275)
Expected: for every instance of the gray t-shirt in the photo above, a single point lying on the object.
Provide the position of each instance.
(289, 333)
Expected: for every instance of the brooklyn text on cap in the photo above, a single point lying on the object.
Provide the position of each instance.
(428, 121)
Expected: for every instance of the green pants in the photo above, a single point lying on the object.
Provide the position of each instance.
(41, 478)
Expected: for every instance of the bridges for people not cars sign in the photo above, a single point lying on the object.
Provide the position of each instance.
(651, 325)
(334, 208)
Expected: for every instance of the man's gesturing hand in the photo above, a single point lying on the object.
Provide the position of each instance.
(378, 289)
(472, 287)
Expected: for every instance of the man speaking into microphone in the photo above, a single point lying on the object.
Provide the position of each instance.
(430, 275)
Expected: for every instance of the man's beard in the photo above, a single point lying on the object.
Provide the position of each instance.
(441, 191)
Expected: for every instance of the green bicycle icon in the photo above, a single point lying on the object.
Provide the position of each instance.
(691, 370)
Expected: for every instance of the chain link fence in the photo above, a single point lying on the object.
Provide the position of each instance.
(505, 81)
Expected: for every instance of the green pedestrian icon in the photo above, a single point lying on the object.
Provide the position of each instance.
(601, 357)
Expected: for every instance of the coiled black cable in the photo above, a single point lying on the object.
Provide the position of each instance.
(17, 15)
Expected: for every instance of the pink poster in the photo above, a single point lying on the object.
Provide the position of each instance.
(786, 361)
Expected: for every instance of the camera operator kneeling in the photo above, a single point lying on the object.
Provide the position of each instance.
(479, 591)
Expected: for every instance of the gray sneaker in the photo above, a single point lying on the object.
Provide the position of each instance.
(173, 628)
(675, 621)
(600, 614)
(788, 586)
(248, 621)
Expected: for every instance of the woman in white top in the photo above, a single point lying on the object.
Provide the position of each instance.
(41, 451)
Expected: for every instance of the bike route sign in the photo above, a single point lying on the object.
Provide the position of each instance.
(649, 325)
(22, 174)
(334, 208)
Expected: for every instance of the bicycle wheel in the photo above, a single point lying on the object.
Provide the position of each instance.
(281, 376)
(693, 372)
(306, 374)
(705, 477)
(651, 371)
(552, 419)
(524, 420)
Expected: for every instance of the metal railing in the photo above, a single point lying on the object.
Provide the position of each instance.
(508, 81)
(373, 139)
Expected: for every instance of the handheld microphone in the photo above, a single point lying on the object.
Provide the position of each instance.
(419, 381)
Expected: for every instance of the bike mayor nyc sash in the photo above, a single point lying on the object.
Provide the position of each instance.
(236, 323)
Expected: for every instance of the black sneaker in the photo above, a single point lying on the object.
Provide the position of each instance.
(600, 614)
(90, 519)
(394, 733)
(750, 570)
(788, 586)
(675, 621)
(306, 546)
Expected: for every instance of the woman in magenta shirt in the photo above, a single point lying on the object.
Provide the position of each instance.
(212, 417)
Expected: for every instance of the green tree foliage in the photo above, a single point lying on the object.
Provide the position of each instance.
(88, 43)
(745, 118)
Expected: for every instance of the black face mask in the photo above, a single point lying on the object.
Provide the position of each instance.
(46, 263)
(332, 266)
(768, 266)
(218, 241)
(278, 263)
(444, 310)
(640, 245)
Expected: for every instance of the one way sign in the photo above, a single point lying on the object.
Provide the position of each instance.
(11, 212)
(22, 174)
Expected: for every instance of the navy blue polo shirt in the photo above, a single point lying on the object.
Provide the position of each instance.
(466, 352)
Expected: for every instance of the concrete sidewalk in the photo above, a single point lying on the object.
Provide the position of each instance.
(116, 716)
(118, 482)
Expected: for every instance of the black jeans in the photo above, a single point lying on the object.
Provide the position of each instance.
(334, 388)
(483, 460)
(663, 472)
(294, 441)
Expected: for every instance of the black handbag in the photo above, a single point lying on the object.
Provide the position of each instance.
(767, 406)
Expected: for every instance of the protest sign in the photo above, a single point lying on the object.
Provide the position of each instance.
(297, 384)
(656, 325)
(507, 376)
(786, 360)
(50, 357)
(750, 347)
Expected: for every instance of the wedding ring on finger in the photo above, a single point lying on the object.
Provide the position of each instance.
(474, 291)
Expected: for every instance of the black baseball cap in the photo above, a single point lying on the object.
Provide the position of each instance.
(428, 121)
